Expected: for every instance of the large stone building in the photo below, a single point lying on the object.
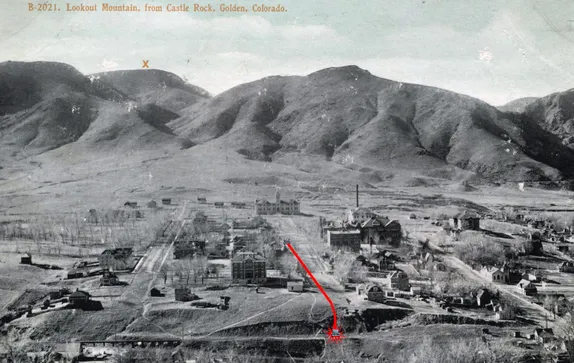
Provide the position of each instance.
(248, 268)
(264, 207)
(375, 229)
(117, 259)
(380, 230)
(349, 239)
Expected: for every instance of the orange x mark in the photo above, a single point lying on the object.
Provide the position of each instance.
(145, 64)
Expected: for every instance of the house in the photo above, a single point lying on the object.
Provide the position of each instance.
(495, 274)
(380, 230)
(79, 298)
(483, 297)
(26, 259)
(544, 335)
(563, 247)
(248, 268)
(117, 259)
(534, 276)
(465, 221)
(398, 280)
(349, 239)
(527, 287)
(202, 200)
(372, 292)
(219, 204)
(566, 266)
(152, 204)
(386, 263)
(74, 274)
(295, 286)
(216, 250)
(155, 292)
(264, 207)
(184, 294)
(183, 249)
(166, 201)
(504, 312)
(109, 278)
(131, 204)
(238, 205)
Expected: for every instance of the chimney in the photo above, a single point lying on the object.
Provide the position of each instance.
(357, 195)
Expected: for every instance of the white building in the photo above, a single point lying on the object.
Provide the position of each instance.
(264, 207)
(359, 215)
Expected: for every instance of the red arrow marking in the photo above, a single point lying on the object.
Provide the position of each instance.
(333, 332)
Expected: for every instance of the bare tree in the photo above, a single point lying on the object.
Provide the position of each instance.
(287, 265)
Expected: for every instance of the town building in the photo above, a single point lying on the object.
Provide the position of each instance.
(346, 239)
(566, 266)
(248, 268)
(372, 292)
(155, 292)
(527, 287)
(117, 259)
(131, 204)
(483, 297)
(79, 298)
(109, 278)
(359, 215)
(465, 221)
(201, 200)
(544, 335)
(379, 230)
(216, 250)
(495, 274)
(398, 280)
(504, 312)
(26, 259)
(295, 286)
(219, 204)
(185, 249)
(184, 294)
(264, 207)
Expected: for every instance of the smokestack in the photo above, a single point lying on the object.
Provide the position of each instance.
(357, 195)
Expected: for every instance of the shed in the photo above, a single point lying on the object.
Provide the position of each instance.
(295, 286)
(26, 259)
(155, 292)
(166, 201)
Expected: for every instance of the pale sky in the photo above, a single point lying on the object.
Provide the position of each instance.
(493, 51)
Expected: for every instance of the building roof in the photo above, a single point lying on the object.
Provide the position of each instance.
(244, 256)
(369, 286)
(345, 231)
(298, 283)
(467, 215)
(525, 283)
(362, 210)
(119, 252)
(80, 293)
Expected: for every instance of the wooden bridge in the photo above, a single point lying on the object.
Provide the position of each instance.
(163, 343)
